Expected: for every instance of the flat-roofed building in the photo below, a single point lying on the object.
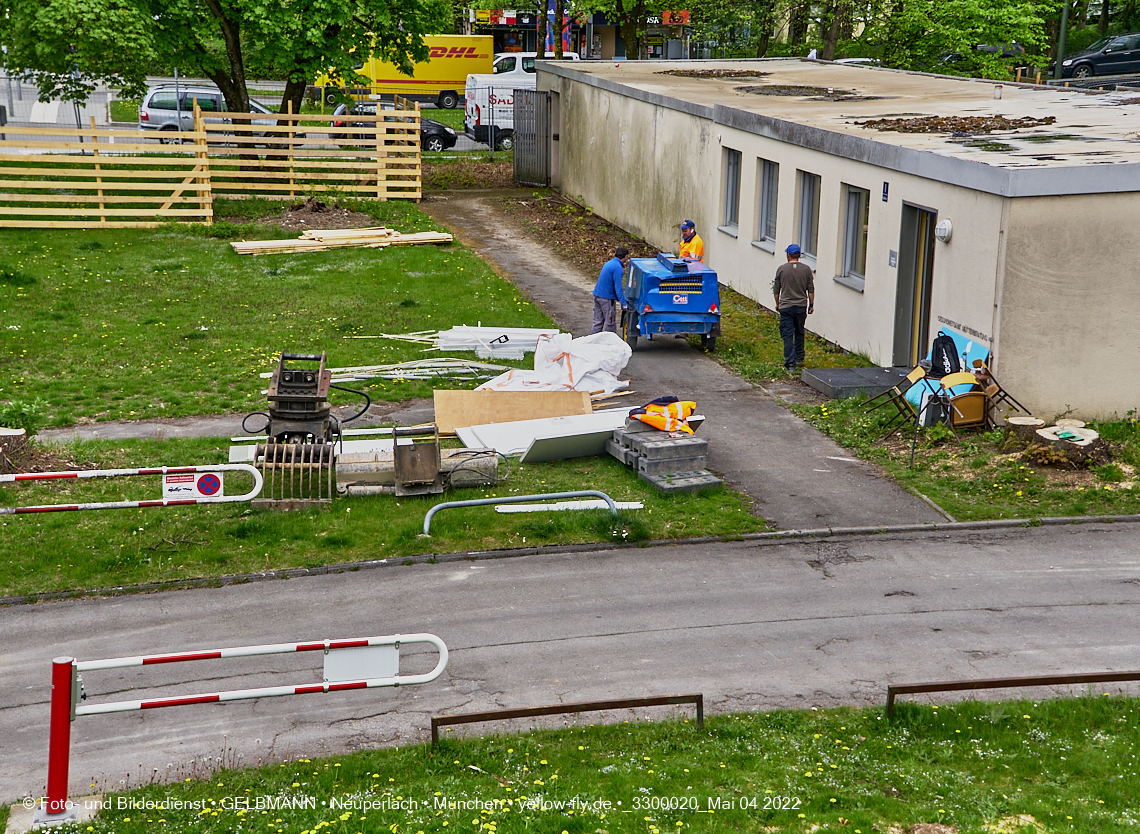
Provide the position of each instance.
(1008, 214)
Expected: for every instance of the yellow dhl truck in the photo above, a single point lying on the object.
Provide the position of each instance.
(439, 79)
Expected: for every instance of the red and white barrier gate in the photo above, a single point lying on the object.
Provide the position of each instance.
(180, 485)
(361, 663)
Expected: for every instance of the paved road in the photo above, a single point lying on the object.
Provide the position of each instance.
(750, 625)
(797, 477)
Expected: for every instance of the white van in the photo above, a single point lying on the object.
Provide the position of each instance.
(490, 108)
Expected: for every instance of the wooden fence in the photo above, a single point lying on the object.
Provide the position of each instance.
(85, 178)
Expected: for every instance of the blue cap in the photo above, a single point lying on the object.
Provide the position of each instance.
(793, 249)
(688, 224)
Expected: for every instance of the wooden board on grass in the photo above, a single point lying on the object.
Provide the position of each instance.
(456, 409)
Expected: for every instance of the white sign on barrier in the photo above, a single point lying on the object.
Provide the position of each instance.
(192, 485)
(362, 663)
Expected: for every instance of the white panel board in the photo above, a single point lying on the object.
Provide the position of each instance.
(362, 663)
(515, 438)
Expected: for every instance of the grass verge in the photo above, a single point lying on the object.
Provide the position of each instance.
(1004, 768)
(75, 551)
(132, 324)
(988, 475)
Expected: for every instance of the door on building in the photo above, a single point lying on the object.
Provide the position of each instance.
(912, 299)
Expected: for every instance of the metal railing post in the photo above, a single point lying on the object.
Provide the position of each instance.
(63, 674)
(515, 499)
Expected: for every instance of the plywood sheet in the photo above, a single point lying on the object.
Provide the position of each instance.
(458, 409)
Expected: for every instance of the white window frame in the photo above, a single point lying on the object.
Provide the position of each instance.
(767, 203)
(807, 230)
(856, 222)
(730, 217)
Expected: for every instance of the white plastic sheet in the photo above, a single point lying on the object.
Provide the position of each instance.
(562, 363)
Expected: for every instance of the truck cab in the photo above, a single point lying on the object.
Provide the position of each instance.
(490, 107)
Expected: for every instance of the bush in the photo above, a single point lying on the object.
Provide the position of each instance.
(21, 414)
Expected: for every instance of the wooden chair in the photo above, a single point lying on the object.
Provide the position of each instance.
(1000, 396)
(893, 396)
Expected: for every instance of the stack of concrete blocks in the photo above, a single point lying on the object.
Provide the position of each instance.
(672, 462)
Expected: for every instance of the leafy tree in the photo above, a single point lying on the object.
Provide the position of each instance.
(741, 27)
(919, 34)
(70, 46)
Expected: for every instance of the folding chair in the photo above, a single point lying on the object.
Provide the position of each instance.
(969, 409)
(1000, 395)
(894, 396)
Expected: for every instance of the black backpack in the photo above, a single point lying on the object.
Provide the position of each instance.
(943, 356)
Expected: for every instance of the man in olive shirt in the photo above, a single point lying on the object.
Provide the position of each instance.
(794, 291)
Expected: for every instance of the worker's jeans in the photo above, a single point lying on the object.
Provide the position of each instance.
(605, 317)
(792, 320)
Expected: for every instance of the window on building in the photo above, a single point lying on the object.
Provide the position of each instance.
(855, 231)
(769, 191)
(808, 237)
(731, 187)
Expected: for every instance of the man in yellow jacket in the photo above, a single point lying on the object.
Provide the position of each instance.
(692, 247)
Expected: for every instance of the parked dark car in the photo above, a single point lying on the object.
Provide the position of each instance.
(1014, 52)
(434, 136)
(1114, 55)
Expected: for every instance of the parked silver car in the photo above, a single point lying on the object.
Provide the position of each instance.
(162, 106)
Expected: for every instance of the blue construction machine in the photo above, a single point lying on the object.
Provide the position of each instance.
(670, 295)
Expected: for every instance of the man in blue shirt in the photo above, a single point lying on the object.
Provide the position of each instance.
(608, 290)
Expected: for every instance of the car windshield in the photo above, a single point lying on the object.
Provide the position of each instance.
(1096, 46)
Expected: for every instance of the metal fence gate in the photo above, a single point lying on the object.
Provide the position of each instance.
(532, 137)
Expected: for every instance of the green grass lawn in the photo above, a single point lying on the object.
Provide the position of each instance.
(1023, 767)
(751, 346)
(129, 324)
(75, 551)
(988, 475)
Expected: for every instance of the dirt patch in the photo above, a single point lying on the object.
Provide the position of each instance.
(961, 125)
(813, 93)
(314, 214)
(574, 232)
(468, 173)
(36, 458)
(715, 73)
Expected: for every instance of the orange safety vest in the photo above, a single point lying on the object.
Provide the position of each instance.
(670, 417)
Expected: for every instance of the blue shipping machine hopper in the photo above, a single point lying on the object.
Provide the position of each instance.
(670, 295)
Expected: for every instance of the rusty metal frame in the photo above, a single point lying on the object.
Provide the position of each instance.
(1003, 683)
(697, 699)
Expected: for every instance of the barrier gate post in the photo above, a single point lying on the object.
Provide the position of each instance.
(63, 673)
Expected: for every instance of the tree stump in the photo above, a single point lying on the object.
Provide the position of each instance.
(1088, 450)
(13, 449)
(1071, 424)
(1025, 427)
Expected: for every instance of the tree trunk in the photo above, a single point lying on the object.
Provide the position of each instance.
(233, 86)
(832, 38)
(1102, 24)
(1025, 427)
(629, 34)
(13, 449)
(798, 25)
(559, 16)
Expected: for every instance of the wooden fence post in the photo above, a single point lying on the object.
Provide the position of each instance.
(202, 164)
(98, 169)
(292, 131)
(381, 153)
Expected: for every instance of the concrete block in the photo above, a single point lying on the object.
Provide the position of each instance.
(662, 446)
(622, 453)
(667, 466)
(838, 383)
(682, 481)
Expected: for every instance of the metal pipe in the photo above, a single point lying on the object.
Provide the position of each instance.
(516, 499)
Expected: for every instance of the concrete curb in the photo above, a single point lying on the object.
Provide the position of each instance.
(772, 538)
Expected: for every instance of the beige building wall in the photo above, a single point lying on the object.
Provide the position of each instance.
(1070, 305)
(646, 167)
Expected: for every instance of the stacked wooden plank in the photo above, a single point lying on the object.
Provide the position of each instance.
(317, 240)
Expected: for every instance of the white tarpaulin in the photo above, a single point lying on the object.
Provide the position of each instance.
(561, 363)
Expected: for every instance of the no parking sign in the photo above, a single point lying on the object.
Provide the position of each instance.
(191, 485)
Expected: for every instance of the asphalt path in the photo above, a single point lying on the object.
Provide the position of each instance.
(751, 625)
(796, 477)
